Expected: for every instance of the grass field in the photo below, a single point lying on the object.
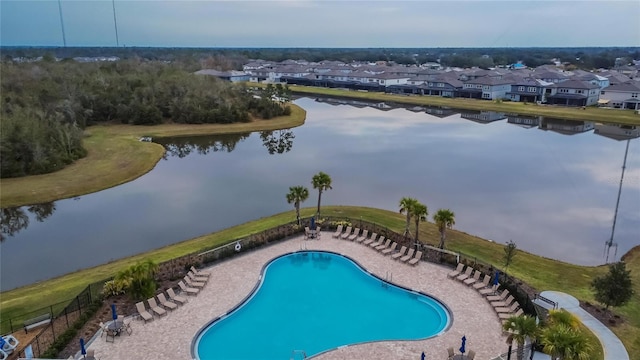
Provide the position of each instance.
(590, 113)
(542, 273)
(116, 156)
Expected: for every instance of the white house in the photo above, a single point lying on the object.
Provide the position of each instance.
(621, 96)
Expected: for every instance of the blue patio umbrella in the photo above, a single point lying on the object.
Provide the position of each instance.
(114, 314)
(464, 343)
(496, 278)
(313, 223)
(83, 351)
(422, 357)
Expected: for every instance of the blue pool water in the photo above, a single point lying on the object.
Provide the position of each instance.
(314, 302)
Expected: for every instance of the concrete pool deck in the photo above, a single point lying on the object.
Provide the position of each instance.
(170, 337)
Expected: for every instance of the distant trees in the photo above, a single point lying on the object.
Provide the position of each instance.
(614, 288)
(510, 251)
(47, 104)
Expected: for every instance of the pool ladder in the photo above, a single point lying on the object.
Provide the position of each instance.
(388, 277)
(303, 246)
(296, 352)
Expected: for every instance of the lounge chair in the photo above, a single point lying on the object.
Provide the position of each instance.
(416, 259)
(193, 284)
(155, 308)
(400, 253)
(126, 327)
(386, 244)
(338, 232)
(377, 243)
(373, 238)
(482, 284)
(390, 250)
(318, 232)
(408, 256)
(197, 278)
(177, 298)
(505, 316)
(346, 233)
(142, 311)
(471, 355)
(199, 272)
(505, 303)
(500, 297)
(3, 355)
(166, 303)
(362, 237)
(355, 234)
(474, 279)
(450, 353)
(188, 290)
(507, 310)
(307, 232)
(489, 291)
(457, 271)
(466, 274)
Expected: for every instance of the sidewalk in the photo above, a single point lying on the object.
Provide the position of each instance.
(612, 346)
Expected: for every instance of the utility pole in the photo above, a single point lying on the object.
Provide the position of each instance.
(610, 243)
(115, 22)
(64, 37)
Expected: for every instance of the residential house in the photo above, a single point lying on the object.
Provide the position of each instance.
(528, 90)
(573, 93)
(566, 127)
(524, 121)
(483, 117)
(622, 96)
(617, 131)
(486, 87)
(233, 76)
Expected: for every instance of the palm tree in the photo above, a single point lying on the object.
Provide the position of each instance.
(562, 317)
(521, 328)
(406, 206)
(566, 343)
(419, 212)
(445, 219)
(296, 195)
(322, 182)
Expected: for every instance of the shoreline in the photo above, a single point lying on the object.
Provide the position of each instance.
(108, 162)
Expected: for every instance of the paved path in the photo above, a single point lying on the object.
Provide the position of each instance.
(612, 346)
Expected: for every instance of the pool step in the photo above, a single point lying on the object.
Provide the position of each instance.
(294, 354)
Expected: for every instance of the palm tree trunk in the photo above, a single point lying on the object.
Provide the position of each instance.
(406, 227)
(520, 353)
(417, 228)
(298, 213)
(442, 237)
(319, 197)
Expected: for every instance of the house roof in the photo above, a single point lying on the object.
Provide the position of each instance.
(489, 80)
(575, 84)
(626, 87)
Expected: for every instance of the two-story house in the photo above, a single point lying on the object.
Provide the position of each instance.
(487, 87)
(622, 96)
(528, 90)
(573, 93)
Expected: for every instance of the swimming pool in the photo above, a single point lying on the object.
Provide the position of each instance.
(314, 301)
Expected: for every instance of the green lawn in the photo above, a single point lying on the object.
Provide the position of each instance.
(116, 156)
(542, 273)
(590, 113)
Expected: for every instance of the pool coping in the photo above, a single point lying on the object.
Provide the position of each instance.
(258, 284)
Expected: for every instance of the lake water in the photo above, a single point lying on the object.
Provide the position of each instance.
(551, 191)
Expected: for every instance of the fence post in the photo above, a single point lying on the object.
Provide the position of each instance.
(66, 317)
(79, 307)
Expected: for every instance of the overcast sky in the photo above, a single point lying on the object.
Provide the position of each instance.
(322, 23)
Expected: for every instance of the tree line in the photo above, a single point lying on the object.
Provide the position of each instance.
(47, 104)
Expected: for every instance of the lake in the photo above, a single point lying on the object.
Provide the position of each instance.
(549, 185)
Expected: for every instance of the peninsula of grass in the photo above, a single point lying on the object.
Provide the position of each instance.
(540, 272)
(590, 113)
(116, 156)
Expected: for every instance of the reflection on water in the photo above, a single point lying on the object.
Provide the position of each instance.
(566, 127)
(554, 195)
(15, 219)
(278, 141)
(184, 145)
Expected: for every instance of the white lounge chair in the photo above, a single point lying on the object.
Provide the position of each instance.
(489, 291)
(373, 238)
(155, 308)
(474, 279)
(177, 298)
(505, 303)
(507, 309)
(3, 355)
(9, 343)
(193, 284)
(307, 232)
(377, 243)
(483, 284)
(197, 278)
(408, 256)
(355, 234)
(142, 311)
(416, 259)
(200, 272)
(346, 233)
(500, 297)
(362, 237)
(390, 250)
(400, 253)
(505, 316)
(166, 303)
(188, 290)
(338, 232)
(466, 274)
(457, 271)
(386, 244)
